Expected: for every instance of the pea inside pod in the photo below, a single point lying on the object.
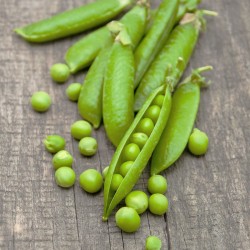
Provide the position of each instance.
(112, 198)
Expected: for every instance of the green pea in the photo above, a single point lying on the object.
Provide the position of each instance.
(158, 204)
(81, 129)
(40, 101)
(131, 151)
(145, 126)
(127, 219)
(137, 200)
(65, 177)
(91, 180)
(59, 72)
(153, 113)
(198, 142)
(157, 184)
(62, 159)
(139, 138)
(125, 167)
(116, 181)
(54, 143)
(87, 146)
(105, 172)
(153, 243)
(158, 100)
(73, 91)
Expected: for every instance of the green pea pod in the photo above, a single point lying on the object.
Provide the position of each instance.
(180, 123)
(174, 55)
(83, 52)
(73, 21)
(118, 90)
(111, 198)
(156, 37)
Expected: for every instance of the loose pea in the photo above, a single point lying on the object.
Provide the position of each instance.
(198, 142)
(137, 200)
(62, 159)
(54, 143)
(158, 204)
(131, 151)
(73, 91)
(59, 72)
(139, 138)
(87, 146)
(40, 101)
(105, 172)
(157, 184)
(146, 126)
(91, 180)
(116, 181)
(153, 243)
(65, 177)
(158, 100)
(81, 129)
(153, 113)
(127, 219)
(125, 167)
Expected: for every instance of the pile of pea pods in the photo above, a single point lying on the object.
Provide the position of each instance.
(134, 66)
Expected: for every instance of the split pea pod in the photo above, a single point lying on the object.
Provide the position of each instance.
(144, 148)
(185, 104)
(156, 37)
(82, 53)
(174, 56)
(118, 89)
(73, 21)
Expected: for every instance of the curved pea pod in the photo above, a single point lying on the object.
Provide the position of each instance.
(185, 104)
(111, 198)
(156, 37)
(73, 21)
(118, 90)
(82, 53)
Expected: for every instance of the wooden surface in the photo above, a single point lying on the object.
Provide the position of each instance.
(209, 196)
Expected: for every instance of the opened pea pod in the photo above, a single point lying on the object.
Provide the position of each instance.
(181, 120)
(136, 152)
(73, 21)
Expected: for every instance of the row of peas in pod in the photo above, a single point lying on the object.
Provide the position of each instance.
(135, 68)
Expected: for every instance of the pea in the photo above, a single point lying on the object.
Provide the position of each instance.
(198, 142)
(137, 200)
(62, 159)
(87, 146)
(81, 129)
(158, 100)
(73, 91)
(125, 167)
(153, 243)
(40, 101)
(91, 180)
(131, 151)
(145, 126)
(54, 143)
(158, 204)
(105, 172)
(127, 219)
(157, 184)
(139, 138)
(153, 113)
(59, 72)
(65, 177)
(116, 181)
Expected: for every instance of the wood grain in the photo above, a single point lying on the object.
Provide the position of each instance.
(209, 196)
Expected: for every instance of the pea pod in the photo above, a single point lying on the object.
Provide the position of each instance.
(156, 37)
(180, 123)
(83, 52)
(112, 198)
(118, 90)
(73, 21)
